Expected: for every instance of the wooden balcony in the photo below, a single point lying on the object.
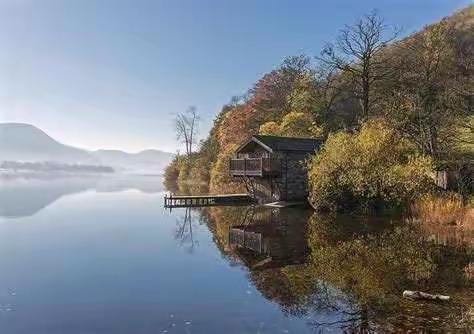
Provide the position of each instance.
(254, 167)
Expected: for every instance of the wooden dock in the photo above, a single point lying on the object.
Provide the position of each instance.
(185, 201)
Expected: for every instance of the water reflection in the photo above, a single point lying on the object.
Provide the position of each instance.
(348, 273)
(25, 196)
(106, 261)
(266, 238)
(184, 231)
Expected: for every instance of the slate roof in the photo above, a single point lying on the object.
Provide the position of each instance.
(278, 144)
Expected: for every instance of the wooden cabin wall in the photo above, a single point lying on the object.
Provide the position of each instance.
(254, 151)
(257, 152)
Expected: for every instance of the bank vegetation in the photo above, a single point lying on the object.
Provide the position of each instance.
(394, 112)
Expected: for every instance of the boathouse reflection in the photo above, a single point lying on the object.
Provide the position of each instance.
(268, 238)
(354, 268)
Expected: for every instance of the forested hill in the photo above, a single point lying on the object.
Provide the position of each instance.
(420, 87)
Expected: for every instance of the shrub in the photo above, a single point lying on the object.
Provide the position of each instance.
(371, 169)
(171, 174)
(220, 180)
(187, 175)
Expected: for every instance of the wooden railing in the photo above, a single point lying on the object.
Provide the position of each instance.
(246, 239)
(254, 166)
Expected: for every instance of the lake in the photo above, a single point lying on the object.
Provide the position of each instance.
(102, 255)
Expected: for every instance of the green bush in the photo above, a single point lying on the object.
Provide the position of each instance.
(371, 169)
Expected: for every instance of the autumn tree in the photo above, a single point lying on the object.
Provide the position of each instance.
(271, 128)
(356, 54)
(433, 95)
(286, 89)
(293, 124)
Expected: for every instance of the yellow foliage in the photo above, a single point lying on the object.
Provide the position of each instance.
(399, 251)
(296, 124)
(220, 180)
(269, 128)
(293, 124)
(371, 168)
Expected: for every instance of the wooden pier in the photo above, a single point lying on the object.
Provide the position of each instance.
(180, 201)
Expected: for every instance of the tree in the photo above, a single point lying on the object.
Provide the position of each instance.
(186, 128)
(433, 96)
(334, 107)
(270, 128)
(286, 89)
(171, 174)
(293, 124)
(357, 54)
(296, 124)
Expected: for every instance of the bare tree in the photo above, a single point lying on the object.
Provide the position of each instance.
(331, 108)
(184, 231)
(187, 127)
(356, 55)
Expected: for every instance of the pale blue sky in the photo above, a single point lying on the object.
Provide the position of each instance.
(112, 73)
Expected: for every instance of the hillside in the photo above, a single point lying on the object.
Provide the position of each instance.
(420, 85)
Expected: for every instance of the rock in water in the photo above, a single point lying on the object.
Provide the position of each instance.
(424, 295)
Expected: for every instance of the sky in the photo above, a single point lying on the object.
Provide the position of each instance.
(114, 73)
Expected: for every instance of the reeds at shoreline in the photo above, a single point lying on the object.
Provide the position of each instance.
(445, 209)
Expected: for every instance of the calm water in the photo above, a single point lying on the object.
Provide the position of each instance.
(103, 256)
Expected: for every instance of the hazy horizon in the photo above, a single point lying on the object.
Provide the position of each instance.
(112, 74)
(82, 148)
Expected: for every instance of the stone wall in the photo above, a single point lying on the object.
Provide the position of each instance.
(291, 185)
(296, 178)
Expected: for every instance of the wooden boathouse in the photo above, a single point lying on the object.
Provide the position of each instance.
(273, 168)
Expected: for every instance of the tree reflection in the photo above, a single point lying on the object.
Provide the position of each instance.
(372, 268)
(184, 231)
(349, 273)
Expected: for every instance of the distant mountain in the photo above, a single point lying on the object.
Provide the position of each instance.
(24, 142)
(27, 143)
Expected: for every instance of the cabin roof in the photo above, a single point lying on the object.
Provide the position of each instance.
(278, 144)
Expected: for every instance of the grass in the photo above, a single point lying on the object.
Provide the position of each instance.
(445, 209)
